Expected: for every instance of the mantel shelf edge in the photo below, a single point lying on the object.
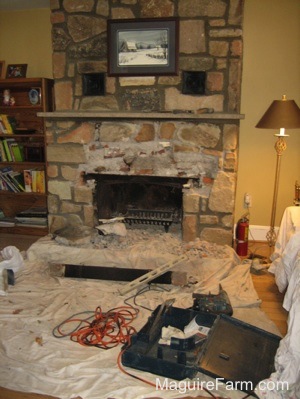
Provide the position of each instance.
(139, 115)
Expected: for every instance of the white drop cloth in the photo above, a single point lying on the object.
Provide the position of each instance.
(286, 268)
(33, 360)
(289, 225)
(287, 360)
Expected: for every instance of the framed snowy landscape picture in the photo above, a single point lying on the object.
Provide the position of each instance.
(138, 47)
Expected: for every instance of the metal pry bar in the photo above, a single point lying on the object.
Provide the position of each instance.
(151, 275)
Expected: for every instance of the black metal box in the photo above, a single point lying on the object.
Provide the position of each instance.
(233, 350)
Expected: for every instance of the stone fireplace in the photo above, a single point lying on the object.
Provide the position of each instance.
(144, 126)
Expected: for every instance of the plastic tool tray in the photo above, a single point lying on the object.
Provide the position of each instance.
(233, 350)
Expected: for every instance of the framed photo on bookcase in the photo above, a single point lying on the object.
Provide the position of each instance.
(16, 71)
(2, 69)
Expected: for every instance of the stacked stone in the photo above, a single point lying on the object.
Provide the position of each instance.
(211, 41)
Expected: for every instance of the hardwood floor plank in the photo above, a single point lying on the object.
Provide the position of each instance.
(274, 307)
(267, 290)
(10, 394)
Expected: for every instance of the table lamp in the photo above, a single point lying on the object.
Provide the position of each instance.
(281, 114)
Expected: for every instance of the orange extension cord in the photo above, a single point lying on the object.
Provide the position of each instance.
(105, 331)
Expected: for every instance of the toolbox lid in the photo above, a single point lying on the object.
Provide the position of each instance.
(238, 352)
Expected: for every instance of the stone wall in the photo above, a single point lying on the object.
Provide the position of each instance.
(210, 34)
(211, 41)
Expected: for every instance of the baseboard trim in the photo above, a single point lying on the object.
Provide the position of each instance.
(258, 233)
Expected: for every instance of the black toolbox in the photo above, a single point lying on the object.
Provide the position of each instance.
(233, 350)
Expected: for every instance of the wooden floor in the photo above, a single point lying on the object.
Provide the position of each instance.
(263, 281)
(266, 288)
(271, 300)
(22, 242)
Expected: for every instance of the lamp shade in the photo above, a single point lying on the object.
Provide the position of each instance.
(281, 114)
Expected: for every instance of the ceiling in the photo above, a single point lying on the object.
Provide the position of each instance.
(23, 4)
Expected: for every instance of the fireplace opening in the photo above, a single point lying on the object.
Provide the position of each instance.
(141, 200)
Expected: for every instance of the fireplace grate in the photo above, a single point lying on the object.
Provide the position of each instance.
(153, 217)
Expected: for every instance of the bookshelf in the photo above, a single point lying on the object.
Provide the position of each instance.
(23, 148)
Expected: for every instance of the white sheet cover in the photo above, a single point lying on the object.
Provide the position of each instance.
(289, 225)
(33, 360)
(286, 378)
(286, 268)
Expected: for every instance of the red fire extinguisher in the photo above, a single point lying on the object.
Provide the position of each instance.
(241, 235)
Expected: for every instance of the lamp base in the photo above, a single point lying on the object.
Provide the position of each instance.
(271, 237)
(280, 147)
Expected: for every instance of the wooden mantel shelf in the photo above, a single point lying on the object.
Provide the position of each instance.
(138, 115)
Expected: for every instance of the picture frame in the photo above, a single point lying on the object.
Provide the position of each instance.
(2, 69)
(35, 96)
(16, 71)
(141, 47)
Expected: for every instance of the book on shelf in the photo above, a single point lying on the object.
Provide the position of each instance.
(31, 221)
(6, 221)
(28, 180)
(33, 225)
(6, 146)
(13, 122)
(19, 179)
(33, 217)
(34, 180)
(6, 125)
(2, 152)
(34, 211)
(11, 150)
(39, 181)
(17, 151)
(11, 180)
(6, 183)
(3, 185)
(2, 127)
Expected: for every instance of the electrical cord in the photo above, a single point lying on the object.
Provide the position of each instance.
(104, 330)
(149, 382)
(253, 395)
(149, 287)
(57, 333)
(253, 254)
(83, 323)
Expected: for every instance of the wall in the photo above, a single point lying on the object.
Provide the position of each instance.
(25, 38)
(270, 69)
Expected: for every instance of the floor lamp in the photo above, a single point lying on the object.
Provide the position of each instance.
(282, 114)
